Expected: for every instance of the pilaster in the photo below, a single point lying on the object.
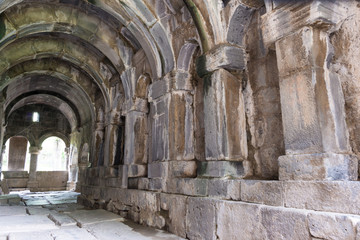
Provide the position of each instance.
(312, 102)
(33, 183)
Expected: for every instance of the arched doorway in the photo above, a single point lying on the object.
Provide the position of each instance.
(53, 155)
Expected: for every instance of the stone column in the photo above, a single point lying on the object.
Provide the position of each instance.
(2, 153)
(99, 140)
(172, 124)
(136, 132)
(312, 102)
(33, 183)
(226, 149)
(72, 171)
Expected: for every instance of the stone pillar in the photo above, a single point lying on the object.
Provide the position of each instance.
(136, 132)
(226, 149)
(312, 102)
(2, 153)
(172, 153)
(33, 183)
(99, 140)
(72, 171)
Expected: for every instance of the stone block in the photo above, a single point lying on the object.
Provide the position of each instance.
(219, 169)
(332, 226)
(332, 196)
(137, 170)
(238, 220)
(263, 192)
(201, 219)
(221, 57)
(158, 89)
(326, 167)
(190, 186)
(138, 183)
(283, 223)
(183, 169)
(176, 207)
(157, 169)
(225, 189)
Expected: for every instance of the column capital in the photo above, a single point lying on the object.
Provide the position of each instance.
(178, 80)
(222, 56)
(285, 17)
(34, 150)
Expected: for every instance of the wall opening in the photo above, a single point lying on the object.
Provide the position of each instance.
(52, 156)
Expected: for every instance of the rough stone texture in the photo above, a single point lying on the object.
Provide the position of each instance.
(247, 218)
(327, 226)
(323, 196)
(318, 167)
(263, 192)
(281, 223)
(171, 108)
(201, 218)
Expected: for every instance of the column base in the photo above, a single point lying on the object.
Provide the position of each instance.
(33, 186)
(318, 167)
(71, 186)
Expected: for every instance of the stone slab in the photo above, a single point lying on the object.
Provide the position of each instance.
(61, 219)
(36, 202)
(85, 217)
(12, 224)
(12, 211)
(119, 230)
(37, 211)
(63, 208)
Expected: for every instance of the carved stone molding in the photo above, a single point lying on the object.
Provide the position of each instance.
(286, 17)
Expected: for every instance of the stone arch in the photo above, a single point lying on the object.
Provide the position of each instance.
(54, 134)
(186, 55)
(52, 101)
(239, 21)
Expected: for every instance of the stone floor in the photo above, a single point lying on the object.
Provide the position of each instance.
(56, 215)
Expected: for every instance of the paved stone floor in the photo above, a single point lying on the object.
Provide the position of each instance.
(56, 215)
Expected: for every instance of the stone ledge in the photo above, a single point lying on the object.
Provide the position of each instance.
(329, 196)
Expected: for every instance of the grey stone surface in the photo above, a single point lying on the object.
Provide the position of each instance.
(12, 224)
(282, 223)
(13, 211)
(61, 219)
(263, 192)
(201, 219)
(85, 217)
(332, 226)
(247, 218)
(328, 167)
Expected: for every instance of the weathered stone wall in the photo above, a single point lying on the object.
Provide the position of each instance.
(171, 107)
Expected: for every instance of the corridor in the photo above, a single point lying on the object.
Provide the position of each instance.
(56, 215)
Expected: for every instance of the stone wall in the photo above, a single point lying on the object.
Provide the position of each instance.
(212, 119)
